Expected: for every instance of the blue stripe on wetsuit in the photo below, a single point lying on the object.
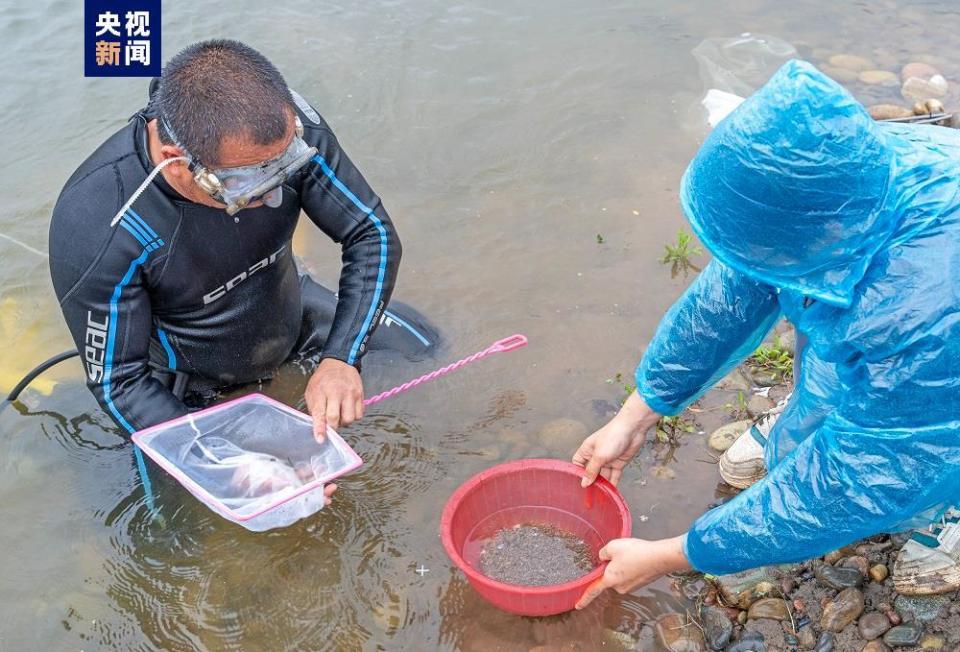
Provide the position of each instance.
(138, 229)
(134, 232)
(381, 273)
(171, 356)
(139, 220)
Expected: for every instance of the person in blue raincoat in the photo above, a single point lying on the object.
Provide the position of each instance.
(851, 230)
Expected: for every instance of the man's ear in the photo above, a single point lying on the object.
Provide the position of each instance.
(170, 151)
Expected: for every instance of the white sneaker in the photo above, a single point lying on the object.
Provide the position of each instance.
(742, 464)
(929, 563)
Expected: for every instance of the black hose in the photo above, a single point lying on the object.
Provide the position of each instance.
(39, 369)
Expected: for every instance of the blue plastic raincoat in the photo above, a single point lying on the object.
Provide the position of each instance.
(851, 230)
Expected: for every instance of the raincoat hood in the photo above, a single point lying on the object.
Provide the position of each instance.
(793, 188)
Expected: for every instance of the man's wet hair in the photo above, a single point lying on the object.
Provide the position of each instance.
(220, 88)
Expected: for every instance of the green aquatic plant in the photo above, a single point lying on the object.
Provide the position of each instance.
(669, 429)
(775, 360)
(678, 255)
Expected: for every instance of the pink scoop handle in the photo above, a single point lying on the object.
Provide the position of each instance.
(501, 346)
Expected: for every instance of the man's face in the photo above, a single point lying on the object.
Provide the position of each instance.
(235, 151)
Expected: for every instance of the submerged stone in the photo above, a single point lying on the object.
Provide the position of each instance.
(677, 633)
(717, 627)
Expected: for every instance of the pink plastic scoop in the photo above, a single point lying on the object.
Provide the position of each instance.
(502, 346)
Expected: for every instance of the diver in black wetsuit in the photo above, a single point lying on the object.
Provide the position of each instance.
(192, 285)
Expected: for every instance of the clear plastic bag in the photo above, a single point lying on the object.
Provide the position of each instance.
(742, 64)
(254, 460)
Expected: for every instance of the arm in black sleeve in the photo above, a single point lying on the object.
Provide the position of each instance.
(339, 201)
(98, 274)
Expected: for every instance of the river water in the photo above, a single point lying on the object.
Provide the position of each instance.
(504, 137)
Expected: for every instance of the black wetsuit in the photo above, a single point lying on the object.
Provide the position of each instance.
(183, 286)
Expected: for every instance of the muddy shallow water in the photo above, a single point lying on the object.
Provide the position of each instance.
(504, 139)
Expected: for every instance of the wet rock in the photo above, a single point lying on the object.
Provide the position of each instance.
(742, 618)
(841, 75)
(920, 90)
(735, 381)
(858, 562)
(851, 62)
(825, 642)
(758, 405)
(749, 642)
(758, 591)
(723, 437)
(806, 637)
(923, 608)
(879, 78)
(838, 578)
(733, 585)
(893, 617)
(836, 555)
(717, 627)
(928, 107)
(773, 608)
(873, 625)
(879, 572)
(563, 434)
(842, 610)
(764, 378)
(933, 642)
(904, 635)
(622, 640)
(677, 634)
(918, 69)
(889, 111)
(876, 646)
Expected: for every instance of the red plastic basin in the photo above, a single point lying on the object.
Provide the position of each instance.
(531, 491)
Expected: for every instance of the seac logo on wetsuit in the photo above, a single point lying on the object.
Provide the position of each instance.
(242, 276)
(95, 341)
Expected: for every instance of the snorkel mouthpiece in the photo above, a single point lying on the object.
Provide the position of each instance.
(273, 182)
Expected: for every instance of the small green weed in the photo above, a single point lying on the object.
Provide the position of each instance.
(678, 255)
(775, 360)
(738, 409)
(669, 429)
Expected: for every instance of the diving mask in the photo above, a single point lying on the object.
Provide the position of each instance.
(237, 187)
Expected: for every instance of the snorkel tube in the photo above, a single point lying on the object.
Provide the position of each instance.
(32, 375)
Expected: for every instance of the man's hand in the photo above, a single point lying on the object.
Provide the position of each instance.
(328, 493)
(334, 396)
(635, 563)
(607, 451)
